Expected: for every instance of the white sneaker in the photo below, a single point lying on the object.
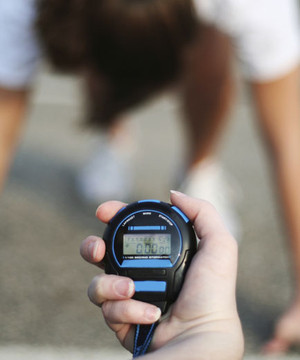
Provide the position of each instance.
(207, 181)
(106, 176)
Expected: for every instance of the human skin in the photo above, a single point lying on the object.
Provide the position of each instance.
(278, 109)
(203, 322)
(13, 105)
(277, 104)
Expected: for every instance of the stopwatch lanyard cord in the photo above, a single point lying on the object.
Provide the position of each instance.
(142, 339)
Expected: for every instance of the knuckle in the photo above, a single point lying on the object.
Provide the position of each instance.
(95, 290)
(206, 210)
(113, 311)
(207, 207)
(231, 244)
(90, 293)
(125, 309)
(106, 308)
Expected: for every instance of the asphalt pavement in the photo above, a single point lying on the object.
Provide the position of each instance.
(45, 313)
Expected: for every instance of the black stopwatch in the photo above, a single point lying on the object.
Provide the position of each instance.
(153, 243)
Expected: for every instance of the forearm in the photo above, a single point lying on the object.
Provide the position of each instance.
(287, 170)
(278, 106)
(12, 112)
(207, 93)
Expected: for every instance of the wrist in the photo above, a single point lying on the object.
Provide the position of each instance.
(206, 338)
(217, 345)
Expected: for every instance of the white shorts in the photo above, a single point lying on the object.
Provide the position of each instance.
(19, 50)
(265, 33)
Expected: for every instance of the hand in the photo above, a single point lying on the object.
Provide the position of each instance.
(287, 331)
(203, 322)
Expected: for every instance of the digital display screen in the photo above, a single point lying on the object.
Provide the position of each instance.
(147, 244)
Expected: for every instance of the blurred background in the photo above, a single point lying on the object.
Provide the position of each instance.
(45, 311)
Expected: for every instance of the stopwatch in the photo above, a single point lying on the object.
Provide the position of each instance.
(153, 243)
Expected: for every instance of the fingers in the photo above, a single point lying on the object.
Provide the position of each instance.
(212, 274)
(209, 226)
(287, 331)
(130, 312)
(276, 347)
(110, 287)
(108, 210)
(113, 293)
(92, 249)
(202, 214)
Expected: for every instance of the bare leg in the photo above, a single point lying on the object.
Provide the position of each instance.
(207, 91)
(12, 112)
(278, 105)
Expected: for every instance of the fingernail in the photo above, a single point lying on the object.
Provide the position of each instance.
(124, 287)
(152, 313)
(92, 249)
(177, 193)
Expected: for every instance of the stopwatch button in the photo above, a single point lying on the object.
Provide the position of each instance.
(146, 273)
(185, 218)
(150, 286)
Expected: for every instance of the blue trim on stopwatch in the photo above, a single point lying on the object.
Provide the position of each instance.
(150, 286)
(147, 263)
(136, 228)
(185, 218)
